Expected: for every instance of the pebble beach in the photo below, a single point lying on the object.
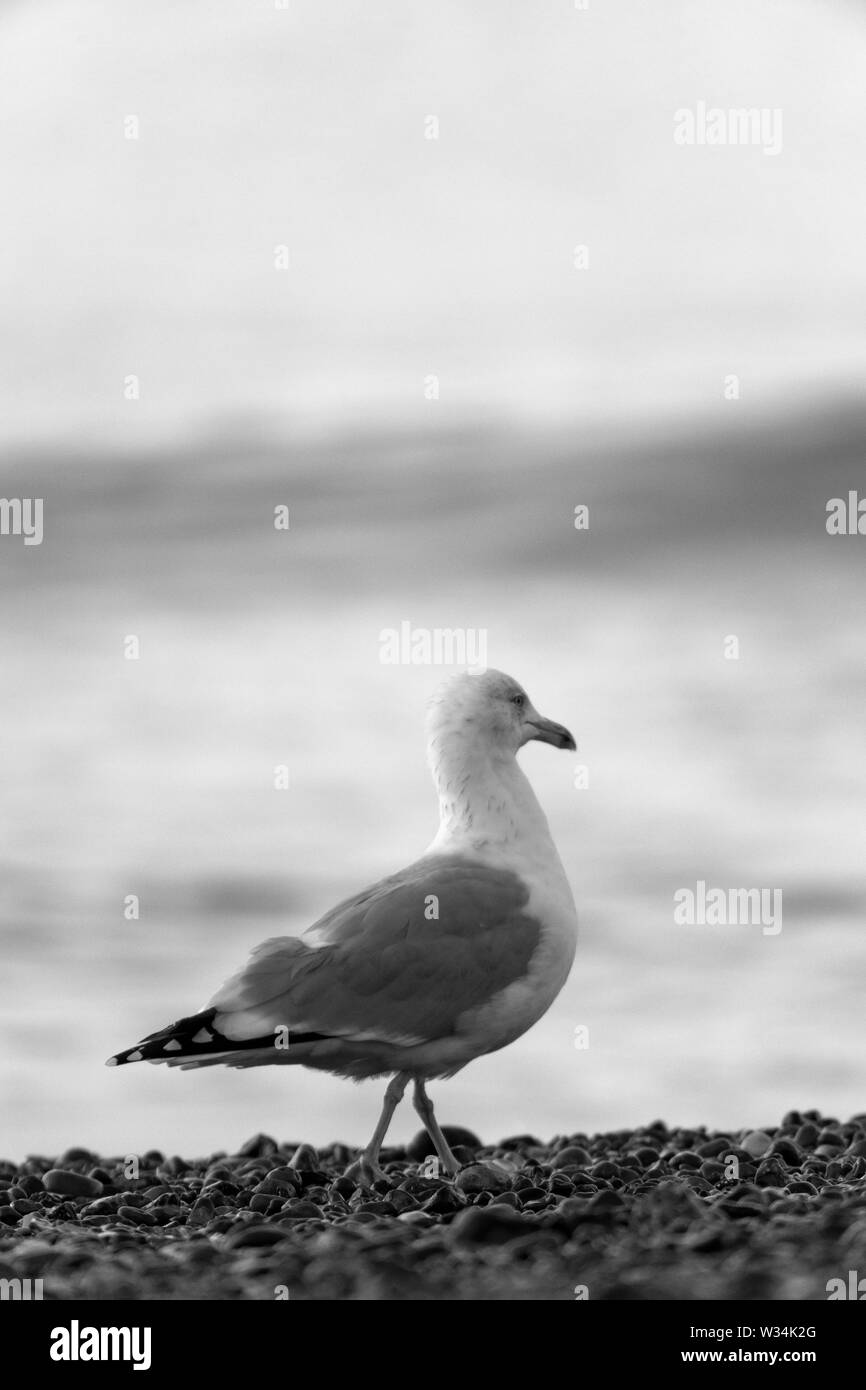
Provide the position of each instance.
(651, 1213)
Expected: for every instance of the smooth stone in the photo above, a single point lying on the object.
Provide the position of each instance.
(444, 1201)
(686, 1158)
(786, 1150)
(491, 1225)
(714, 1147)
(646, 1156)
(29, 1184)
(175, 1166)
(219, 1173)
(520, 1141)
(829, 1136)
(756, 1143)
(202, 1212)
(75, 1155)
(264, 1203)
(258, 1147)
(606, 1201)
(136, 1216)
(403, 1201)
(316, 1177)
(103, 1206)
(604, 1169)
(71, 1184)
(258, 1235)
(284, 1177)
(298, 1206)
(483, 1177)
(573, 1156)
(771, 1173)
(532, 1194)
(422, 1147)
(304, 1159)
(560, 1185)
(742, 1210)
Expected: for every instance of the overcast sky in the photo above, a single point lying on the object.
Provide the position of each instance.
(305, 127)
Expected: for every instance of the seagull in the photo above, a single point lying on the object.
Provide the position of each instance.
(451, 958)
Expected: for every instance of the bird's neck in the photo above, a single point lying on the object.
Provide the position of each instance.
(487, 805)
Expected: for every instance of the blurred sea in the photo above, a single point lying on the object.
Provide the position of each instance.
(261, 647)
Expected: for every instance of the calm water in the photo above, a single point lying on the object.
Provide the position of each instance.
(258, 648)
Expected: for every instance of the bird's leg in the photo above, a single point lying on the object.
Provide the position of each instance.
(424, 1105)
(366, 1168)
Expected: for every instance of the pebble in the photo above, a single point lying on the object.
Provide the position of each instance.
(299, 1207)
(807, 1136)
(444, 1201)
(284, 1177)
(259, 1146)
(770, 1173)
(251, 1236)
(574, 1156)
(646, 1156)
(76, 1156)
(714, 1147)
(787, 1151)
(686, 1159)
(30, 1184)
(493, 1225)
(422, 1147)
(651, 1212)
(756, 1143)
(830, 1137)
(304, 1159)
(416, 1218)
(483, 1177)
(136, 1215)
(606, 1201)
(71, 1184)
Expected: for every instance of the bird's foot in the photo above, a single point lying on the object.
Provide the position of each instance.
(365, 1171)
(439, 1166)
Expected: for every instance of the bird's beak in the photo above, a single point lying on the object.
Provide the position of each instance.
(546, 731)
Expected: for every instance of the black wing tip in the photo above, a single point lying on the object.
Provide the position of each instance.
(184, 1039)
(175, 1038)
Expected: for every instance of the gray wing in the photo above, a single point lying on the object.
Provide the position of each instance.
(401, 961)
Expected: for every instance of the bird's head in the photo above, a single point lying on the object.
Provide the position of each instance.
(494, 712)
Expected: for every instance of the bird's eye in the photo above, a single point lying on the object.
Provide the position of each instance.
(518, 700)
